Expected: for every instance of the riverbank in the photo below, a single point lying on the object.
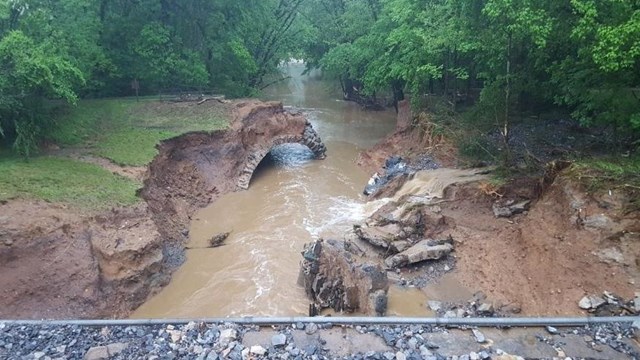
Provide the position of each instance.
(532, 241)
(62, 243)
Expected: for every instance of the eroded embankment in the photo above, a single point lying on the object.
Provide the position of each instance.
(56, 262)
(534, 246)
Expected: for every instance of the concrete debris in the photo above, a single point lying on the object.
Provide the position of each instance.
(424, 250)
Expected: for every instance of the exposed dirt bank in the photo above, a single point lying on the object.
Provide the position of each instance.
(56, 262)
(565, 244)
(194, 169)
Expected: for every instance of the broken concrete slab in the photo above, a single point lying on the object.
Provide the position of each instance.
(424, 250)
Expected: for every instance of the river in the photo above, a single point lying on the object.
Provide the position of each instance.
(292, 200)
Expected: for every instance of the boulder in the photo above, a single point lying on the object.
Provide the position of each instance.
(335, 275)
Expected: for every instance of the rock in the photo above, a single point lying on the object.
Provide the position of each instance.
(116, 348)
(38, 354)
(105, 352)
(258, 350)
(479, 336)
(636, 302)
(97, 353)
(434, 305)
(228, 335)
(311, 349)
(508, 208)
(176, 335)
(450, 314)
(382, 236)
(474, 356)
(600, 222)
(311, 328)
(486, 308)
(334, 274)
(8, 242)
(389, 355)
(424, 250)
(424, 352)
(551, 330)
(591, 302)
(279, 340)
(610, 255)
(401, 356)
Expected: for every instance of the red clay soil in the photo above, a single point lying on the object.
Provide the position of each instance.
(568, 245)
(546, 260)
(52, 261)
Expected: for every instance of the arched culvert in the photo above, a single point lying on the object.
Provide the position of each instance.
(308, 138)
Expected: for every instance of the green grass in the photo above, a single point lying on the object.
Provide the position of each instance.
(126, 131)
(122, 130)
(131, 146)
(81, 185)
(609, 171)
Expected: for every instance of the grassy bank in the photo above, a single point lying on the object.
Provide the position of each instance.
(81, 185)
(122, 130)
(126, 131)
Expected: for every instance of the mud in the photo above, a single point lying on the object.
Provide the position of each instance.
(567, 244)
(58, 263)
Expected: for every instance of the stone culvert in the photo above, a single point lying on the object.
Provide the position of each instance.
(192, 170)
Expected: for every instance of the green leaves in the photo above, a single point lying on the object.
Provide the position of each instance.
(30, 72)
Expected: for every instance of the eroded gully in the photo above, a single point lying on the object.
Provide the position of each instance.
(291, 200)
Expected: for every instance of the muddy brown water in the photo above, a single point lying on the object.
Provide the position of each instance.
(291, 201)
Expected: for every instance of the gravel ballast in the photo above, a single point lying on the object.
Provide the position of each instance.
(207, 341)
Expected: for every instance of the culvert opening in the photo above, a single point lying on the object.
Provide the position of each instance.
(290, 155)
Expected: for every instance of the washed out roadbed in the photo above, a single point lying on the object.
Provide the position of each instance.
(314, 341)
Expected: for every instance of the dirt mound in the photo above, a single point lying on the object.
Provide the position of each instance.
(57, 263)
(410, 142)
(547, 259)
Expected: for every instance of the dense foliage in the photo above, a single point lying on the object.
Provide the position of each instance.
(67, 49)
(529, 55)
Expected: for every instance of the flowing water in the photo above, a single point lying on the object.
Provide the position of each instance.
(291, 201)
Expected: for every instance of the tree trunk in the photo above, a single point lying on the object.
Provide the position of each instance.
(507, 99)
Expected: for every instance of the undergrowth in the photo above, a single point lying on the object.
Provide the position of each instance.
(601, 173)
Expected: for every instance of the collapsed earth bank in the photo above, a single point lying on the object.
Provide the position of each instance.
(56, 262)
(533, 245)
